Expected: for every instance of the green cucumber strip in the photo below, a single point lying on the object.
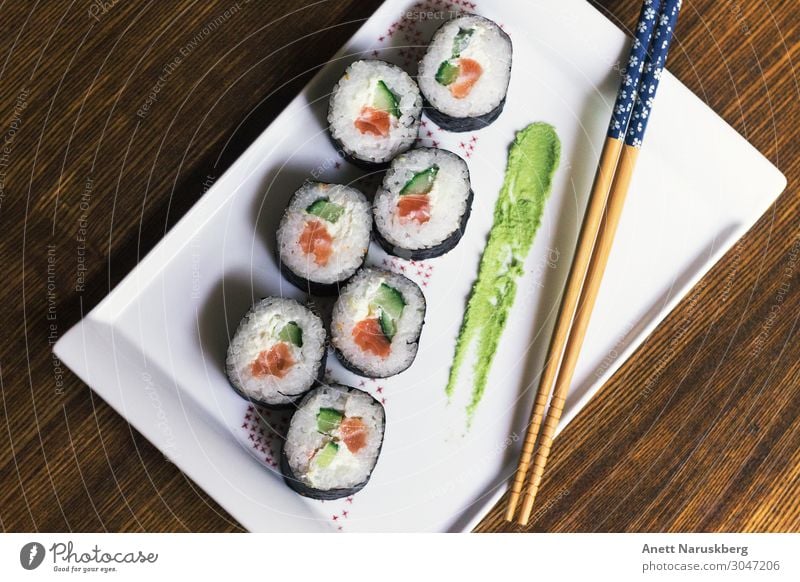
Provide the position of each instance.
(325, 209)
(461, 40)
(328, 419)
(389, 300)
(385, 100)
(388, 326)
(326, 455)
(421, 182)
(291, 333)
(447, 73)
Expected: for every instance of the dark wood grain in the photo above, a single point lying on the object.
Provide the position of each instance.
(698, 431)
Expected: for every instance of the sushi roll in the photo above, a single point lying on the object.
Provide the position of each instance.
(374, 112)
(422, 208)
(465, 72)
(376, 323)
(333, 443)
(323, 236)
(277, 352)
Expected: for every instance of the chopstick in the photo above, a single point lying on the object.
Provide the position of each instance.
(591, 224)
(615, 169)
(609, 157)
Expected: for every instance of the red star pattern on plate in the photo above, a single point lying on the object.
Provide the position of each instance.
(428, 135)
(264, 432)
(467, 146)
(339, 517)
(418, 271)
(374, 387)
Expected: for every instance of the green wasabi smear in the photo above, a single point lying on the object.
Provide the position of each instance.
(532, 161)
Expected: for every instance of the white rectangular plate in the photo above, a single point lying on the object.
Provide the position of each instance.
(154, 348)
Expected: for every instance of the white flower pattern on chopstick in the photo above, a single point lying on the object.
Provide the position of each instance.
(633, 74)
(653, 70)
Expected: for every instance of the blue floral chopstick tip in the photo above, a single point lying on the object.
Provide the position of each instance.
(651, 75)
(631, 78)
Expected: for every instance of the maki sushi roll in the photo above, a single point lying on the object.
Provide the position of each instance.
(464, 74)
(422, 208)
(333, 442)
(323, 236)
(277, 352)
(374, 112)
(376, 323)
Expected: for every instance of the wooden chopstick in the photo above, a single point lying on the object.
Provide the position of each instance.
(587, 296)
(607, 198)
(583, 252)
(606, 168)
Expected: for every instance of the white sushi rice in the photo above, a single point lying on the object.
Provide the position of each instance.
(354, 305)
(356, 89)
(489, 46)
(304, 441)
(448, 199)
(258, 332)
(350, 233)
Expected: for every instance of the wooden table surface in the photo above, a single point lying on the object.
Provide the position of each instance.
(712, 445)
